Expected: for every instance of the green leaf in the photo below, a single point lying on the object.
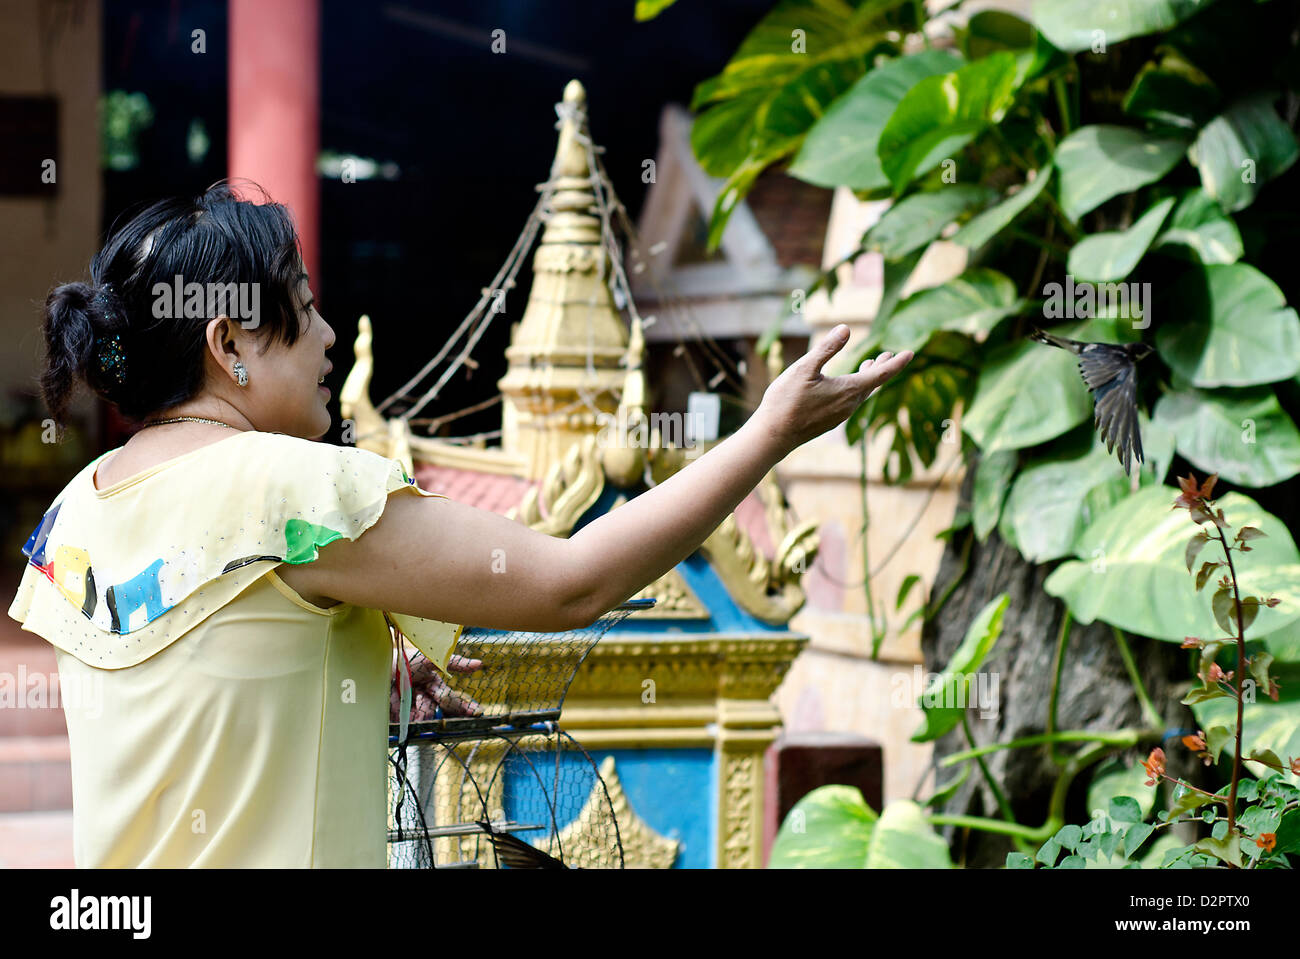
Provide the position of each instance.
(840, 149)
(903, 839)
(919, 404)
(1135, 835)
(1100, 161)
(1048, 852)
(1072, 862)
(1018, 860)
(1242, 435)
(939, 702)
(1204, 573)
(1222, 604)
(1132, 573)
(941, 114)
(916, 220)
(1194, 547)
(992, 483)
(1233, 329)
(1054, 500)
(1229, 850)
(1201, 694)
(1259, 664)
(991, 30)
(1199, 223)
(1172, 91)
(1113, 255)
(945, 792)
(830, 828)
(984, 226)
(649, 9)
(1075, 26)
(1125, 809)
(1121, 778)
(1188, 801)
(908, 582)
(778, 84)
(1216, 737)
(1028, 395)
(1266, 757)
(972, 303)
(1242, 149)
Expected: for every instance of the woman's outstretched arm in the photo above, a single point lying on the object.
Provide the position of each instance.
(448, 561)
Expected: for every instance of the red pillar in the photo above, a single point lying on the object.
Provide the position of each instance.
(275, 109)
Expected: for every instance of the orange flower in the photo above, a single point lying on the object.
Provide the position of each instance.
(1155, 766)
(1195, 743)
(1267, 841)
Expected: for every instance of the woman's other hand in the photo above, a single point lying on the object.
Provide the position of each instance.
(429, 692)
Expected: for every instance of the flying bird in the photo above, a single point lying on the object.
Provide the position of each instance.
(1110, 371)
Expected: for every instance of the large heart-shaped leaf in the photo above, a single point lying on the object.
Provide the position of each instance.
(919, 405)
(1113, 255)
(915, 221)
(840, 149)
(1074, 26)
(1242, 435)
(972, 303)
(833, 828)
(1053, 500)
(1100, 161)
(1173, 91)
(1199, 223)
(1133, 572)
(830, 828)
(941, 114)
(1242, 149)
(984, 226)
(1232, 327)
(992, 482)
(1029, 393)
(903, 839)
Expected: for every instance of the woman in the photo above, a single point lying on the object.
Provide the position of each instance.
(223, 583)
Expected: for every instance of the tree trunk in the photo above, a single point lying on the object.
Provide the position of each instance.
(1095, 692)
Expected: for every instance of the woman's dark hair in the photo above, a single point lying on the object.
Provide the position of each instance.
(109, 334)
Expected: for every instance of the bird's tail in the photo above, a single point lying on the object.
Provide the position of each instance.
(1042, 336)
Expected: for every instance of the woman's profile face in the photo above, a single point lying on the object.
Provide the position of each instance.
(284, 393)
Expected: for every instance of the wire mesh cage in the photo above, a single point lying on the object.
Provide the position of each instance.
(505, 785)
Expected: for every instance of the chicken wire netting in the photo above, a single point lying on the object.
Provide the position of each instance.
(494, 780)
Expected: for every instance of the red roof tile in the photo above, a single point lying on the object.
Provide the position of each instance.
(490, 491)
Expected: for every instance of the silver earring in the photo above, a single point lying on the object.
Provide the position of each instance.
(241, 374)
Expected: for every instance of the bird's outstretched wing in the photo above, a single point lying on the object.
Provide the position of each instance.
(1109, 372)
(1115, 414)
(516, 853)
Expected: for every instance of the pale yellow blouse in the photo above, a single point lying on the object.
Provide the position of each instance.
(215, 717)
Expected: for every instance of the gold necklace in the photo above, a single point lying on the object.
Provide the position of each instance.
(189, 419)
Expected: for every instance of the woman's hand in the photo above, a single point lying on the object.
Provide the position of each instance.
(801, 404)
(429, 691)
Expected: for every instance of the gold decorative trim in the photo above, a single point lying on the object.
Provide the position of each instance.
(583, 841)
(570, 488)
(739, 821)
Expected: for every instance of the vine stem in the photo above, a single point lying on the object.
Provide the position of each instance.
(1021, 843)
(1121, 738)
(1149, 711)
